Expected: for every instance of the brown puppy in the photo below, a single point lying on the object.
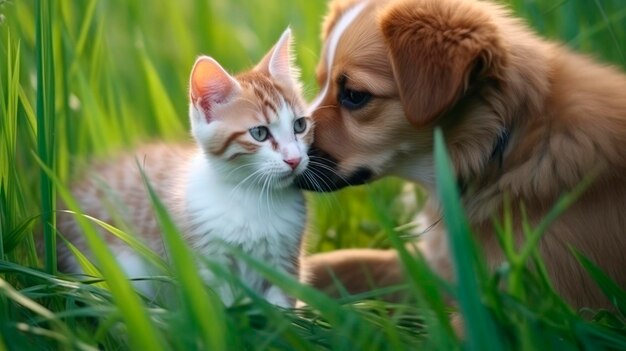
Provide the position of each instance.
(521, 116)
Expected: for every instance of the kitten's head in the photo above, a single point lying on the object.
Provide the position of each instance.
(252, 126)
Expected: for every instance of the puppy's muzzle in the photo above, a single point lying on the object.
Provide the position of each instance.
(322, 174)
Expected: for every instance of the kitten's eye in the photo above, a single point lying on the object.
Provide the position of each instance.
(352, 99)
(259, 133)
(299, 125)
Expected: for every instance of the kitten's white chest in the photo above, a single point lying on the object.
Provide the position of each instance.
(264, 223)
(238, 213)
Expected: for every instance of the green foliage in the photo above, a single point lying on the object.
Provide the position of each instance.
(83, 79)
(481, 330)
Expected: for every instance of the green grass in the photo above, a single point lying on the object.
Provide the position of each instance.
(82, 79)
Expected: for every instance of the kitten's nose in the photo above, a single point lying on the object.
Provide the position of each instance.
(293, 162)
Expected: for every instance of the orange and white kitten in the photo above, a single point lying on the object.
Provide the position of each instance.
(234, 187)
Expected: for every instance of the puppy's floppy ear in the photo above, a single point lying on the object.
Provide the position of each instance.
(435, 47)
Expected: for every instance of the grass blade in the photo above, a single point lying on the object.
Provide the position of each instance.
(563, 203)
(89, 268)
(480, 328)
(611, 290)
(45, 126)
(132, 241)
(64, 335)
(359, 334)
(141, 332)
(198, 303)
(425, 286)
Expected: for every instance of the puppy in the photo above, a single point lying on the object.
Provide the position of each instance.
(522, 117)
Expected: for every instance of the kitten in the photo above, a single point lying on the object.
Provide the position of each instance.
(235, 186)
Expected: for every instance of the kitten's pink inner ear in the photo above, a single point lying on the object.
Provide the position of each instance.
(210, 85)
(279, 65)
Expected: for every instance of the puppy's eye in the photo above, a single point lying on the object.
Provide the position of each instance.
(352, 99)
(260, 133)
(299, 125)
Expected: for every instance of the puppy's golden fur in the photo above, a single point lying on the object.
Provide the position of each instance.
(522, 117)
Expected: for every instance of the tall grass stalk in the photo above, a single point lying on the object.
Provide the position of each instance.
(46, 126)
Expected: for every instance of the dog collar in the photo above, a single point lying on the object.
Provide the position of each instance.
(497, 155)
(499, 147)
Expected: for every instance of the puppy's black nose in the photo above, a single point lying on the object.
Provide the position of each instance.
(361, 176)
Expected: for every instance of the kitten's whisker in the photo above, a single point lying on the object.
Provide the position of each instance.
(333, 163)
(328, 197)
(318, 176)
(266, 183)
(331, 170)
(325, 159)
(263, 198)
(242, 166)
(270, 195)
(243, 181)
(271, 180)
(258, 179)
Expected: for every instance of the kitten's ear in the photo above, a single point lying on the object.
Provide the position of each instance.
(210, 84)
(279, 61)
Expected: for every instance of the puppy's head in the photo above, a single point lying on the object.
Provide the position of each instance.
(389, 72)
